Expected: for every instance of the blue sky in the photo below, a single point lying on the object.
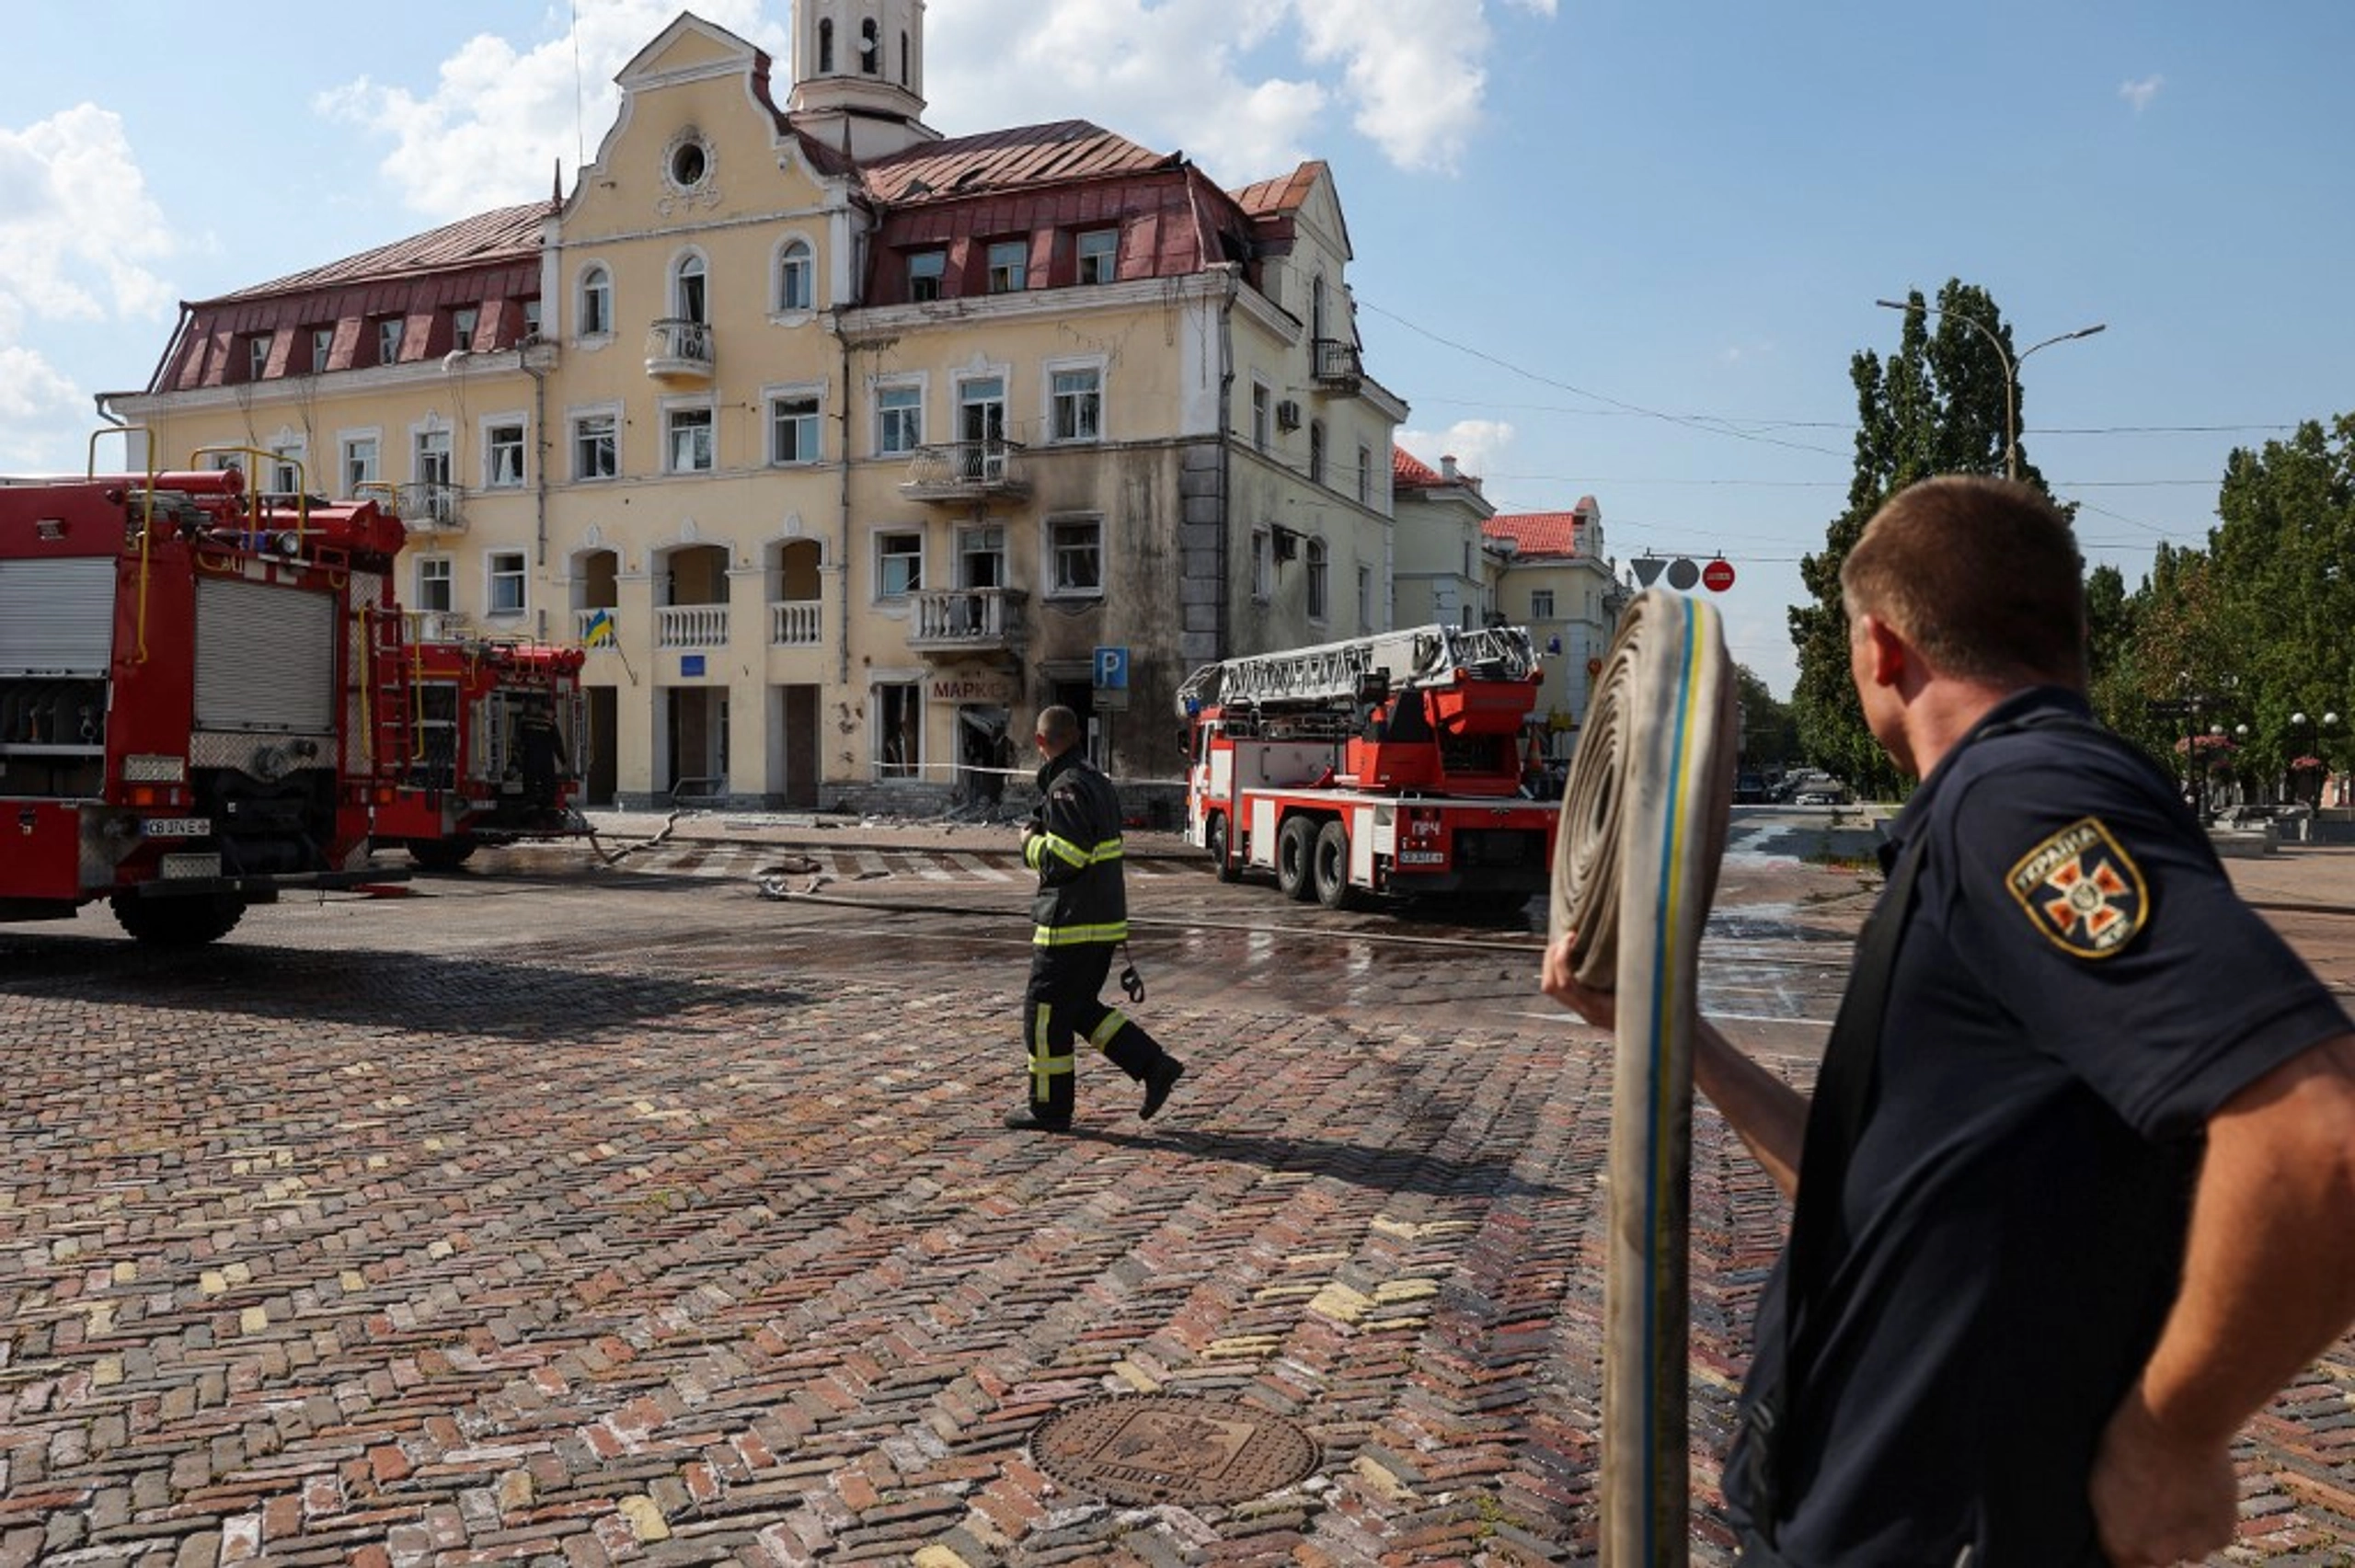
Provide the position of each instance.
(1608, 248)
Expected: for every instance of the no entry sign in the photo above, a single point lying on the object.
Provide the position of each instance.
(1718, 576)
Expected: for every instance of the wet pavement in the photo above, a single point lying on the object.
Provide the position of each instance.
(591, 1206)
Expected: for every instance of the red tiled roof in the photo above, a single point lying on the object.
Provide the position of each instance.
(486, 239)
(1536, 532)
(1005, 160)
(1409, 472)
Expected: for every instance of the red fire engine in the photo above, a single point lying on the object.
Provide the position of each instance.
(493, 752)
(1388, 763)
(198, 692)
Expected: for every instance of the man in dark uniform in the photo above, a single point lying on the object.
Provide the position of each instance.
(1072, 842)
(2082, 1198)
(541, 749)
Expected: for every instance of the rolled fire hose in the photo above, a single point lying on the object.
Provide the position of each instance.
(1635, 867)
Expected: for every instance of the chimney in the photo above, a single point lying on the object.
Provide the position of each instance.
(1447, 469)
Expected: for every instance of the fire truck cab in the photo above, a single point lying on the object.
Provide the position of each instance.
(199, 689)
(494, 752)
(1388, 763)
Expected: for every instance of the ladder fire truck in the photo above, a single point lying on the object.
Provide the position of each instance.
(200, 691)
(1388, 763)
(493, 755)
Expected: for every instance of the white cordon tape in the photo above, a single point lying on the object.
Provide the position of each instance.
(1635, 866)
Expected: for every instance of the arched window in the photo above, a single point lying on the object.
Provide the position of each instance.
(1318, 605)
(688, 302)
(904, 57)
(825, 45)
(870, 49)
(596, 303)
(1316, 309)
(793, 275)
(1316, 452)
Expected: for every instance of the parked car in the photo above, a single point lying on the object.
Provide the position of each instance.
(1749, 789)
(1817, 794)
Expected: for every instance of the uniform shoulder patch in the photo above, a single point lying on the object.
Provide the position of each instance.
(2082, 890)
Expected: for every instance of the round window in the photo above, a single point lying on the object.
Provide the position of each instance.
(689, 163)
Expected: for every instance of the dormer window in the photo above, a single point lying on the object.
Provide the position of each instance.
(1008, 265)
(1099, 255)
(257, 356)
(925, 269)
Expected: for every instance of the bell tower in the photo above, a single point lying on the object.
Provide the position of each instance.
(858, 74)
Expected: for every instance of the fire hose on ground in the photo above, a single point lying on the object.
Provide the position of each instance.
(1643, 830)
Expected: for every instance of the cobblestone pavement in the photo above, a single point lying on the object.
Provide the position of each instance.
(578, 1209)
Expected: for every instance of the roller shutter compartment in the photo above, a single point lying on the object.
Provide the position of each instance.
(265, 658)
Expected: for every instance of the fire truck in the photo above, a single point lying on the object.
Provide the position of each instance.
(493, 753)
(1388, 763)
(200, 691)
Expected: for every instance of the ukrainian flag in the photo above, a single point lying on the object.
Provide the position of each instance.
(599, 632)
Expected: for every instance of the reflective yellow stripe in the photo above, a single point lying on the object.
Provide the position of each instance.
(1101, 1036)
(1109, 850)
(1075, 935)
(1044, 844)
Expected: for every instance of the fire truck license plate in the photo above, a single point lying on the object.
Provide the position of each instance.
(176, 827)
(1421, 857)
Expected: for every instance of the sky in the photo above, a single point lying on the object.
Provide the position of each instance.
(1603, 247)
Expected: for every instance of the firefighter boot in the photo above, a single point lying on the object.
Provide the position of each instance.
(1159, 1080)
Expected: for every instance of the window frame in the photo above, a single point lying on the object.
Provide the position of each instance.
(1316, 452)
(392, 331)
(1092, 400)
(322, 348)
(1057, 550)
(812, 394)
(1263, 416)
(436, 576)
(1315, 568)
(675, 410)
(1263, 563)
(345, 442)
(593, 295)
(1541, 605)
(257, 354)
(1087, 250)
(495, 426)
(496, 571)
(1008, 264)
(795, 255)
(880, 556)
(424, 457)
(936, 274)
(909, 416)
(576, 421)
(463, 321)
(909, 770)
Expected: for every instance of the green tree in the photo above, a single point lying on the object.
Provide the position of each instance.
(1936, 406)
(1770, 737)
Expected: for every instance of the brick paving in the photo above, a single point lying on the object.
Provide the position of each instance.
(562, 1221)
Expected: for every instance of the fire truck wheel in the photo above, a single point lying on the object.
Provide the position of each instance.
(1221, 860)
(1333, 889)
(1296, 858)
(441, 854)
(176, 922)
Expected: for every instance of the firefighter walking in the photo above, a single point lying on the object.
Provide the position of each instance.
(1072, 842)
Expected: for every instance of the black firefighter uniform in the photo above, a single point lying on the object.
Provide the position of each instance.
(1081, 914)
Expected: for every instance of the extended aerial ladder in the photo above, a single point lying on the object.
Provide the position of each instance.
(1359, 669)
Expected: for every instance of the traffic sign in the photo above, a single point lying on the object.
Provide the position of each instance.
(1682, 574)
(1718, 576)
(1112, 669)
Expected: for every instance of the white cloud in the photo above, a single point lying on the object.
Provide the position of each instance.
(78, 227)
(1246, 87)
(498, 118)
(31, 389)
(1479, 446)
(2140, 94)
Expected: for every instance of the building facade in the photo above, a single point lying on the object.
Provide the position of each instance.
(1557, 580)
(842, 446)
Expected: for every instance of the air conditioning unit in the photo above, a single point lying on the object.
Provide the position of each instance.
(1287, 415)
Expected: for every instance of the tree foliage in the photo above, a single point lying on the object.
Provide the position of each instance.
(1936, 406)
(1769, 733)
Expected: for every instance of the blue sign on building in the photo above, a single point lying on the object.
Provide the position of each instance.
(1112, 669)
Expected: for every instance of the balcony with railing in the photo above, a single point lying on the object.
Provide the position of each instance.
(797, 622)
(679, 350)
(966, 471)
(431, 509)
(691, 627)
(433, 626)
(1338, 366)
(965, 619)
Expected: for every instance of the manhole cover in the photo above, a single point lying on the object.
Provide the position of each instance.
(1172, 1448)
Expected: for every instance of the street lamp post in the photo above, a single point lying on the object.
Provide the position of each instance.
(2011, 369)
